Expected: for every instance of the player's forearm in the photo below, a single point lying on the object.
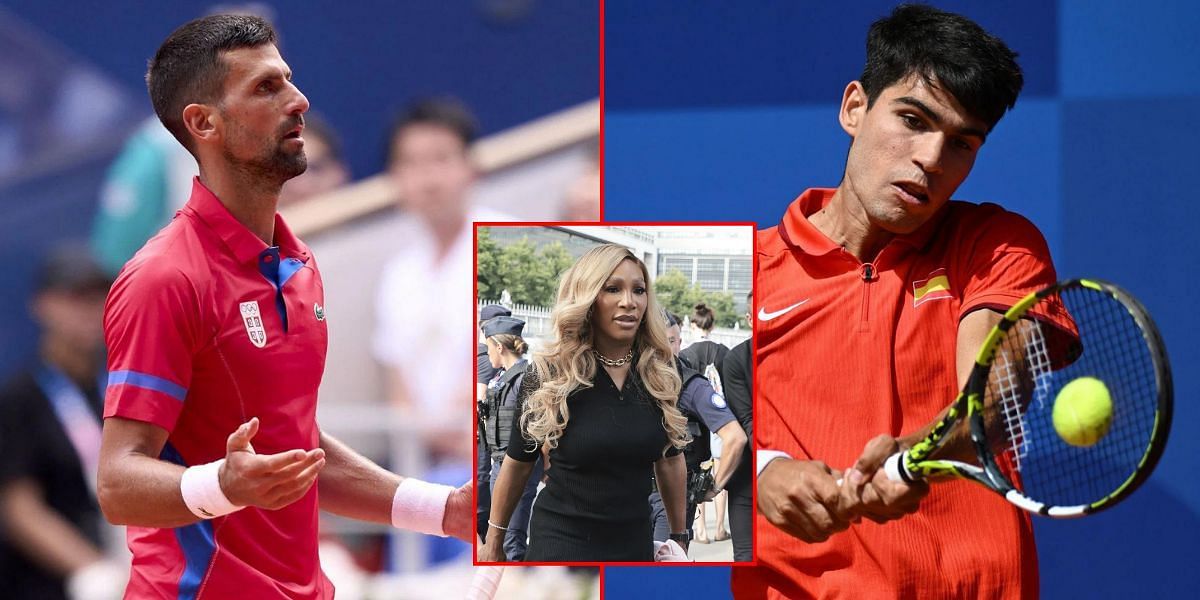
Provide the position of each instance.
(352, 486)
(973, 329)
(137, 490)
(45, 538)
(510, 484)
(733, 445)
(671, 475)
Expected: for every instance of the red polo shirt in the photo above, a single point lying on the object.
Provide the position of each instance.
(207, 327)
(847, 351)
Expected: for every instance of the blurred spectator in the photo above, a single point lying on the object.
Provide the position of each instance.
(425, 289)
(149, 180)
(582, 202)
(327, 168)
(53, 533)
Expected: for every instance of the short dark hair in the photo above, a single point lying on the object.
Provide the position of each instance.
(188, 69)
(954, 52)
(673, 320)
(448, 113)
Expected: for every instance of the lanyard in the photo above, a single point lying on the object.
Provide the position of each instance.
(76, 417)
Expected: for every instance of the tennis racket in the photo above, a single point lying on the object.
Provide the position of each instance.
(485, 583)
(1068, 332)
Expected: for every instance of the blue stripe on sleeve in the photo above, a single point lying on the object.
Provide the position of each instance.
(147, 381)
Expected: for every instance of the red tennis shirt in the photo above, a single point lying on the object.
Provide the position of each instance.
(206, 327)
(849, 350)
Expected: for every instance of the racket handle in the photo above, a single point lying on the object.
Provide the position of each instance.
(894, 467)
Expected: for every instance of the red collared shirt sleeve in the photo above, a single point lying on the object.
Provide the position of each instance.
(1008, 260)
(152, 327)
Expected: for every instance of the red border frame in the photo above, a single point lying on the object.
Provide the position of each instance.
(754, 398)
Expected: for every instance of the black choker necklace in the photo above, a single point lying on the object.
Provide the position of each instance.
(608, 362)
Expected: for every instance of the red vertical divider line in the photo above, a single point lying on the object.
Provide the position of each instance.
(754, 404)
(474, 415)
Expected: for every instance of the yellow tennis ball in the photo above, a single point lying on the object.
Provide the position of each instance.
(1083, 411)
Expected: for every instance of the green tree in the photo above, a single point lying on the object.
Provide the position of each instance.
(518, 272)
(530, 274)
(674, 292)
(556, 260)
(680, 297)
(722, 305)
(488, 256)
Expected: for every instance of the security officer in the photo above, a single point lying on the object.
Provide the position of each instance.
(505, 349)
(484, 372)
(706, 411)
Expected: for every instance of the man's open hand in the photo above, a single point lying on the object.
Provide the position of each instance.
(269, 481)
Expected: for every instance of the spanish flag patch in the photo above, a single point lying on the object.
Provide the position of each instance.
(934, 287)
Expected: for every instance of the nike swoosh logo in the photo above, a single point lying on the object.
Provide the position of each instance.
(763, 315)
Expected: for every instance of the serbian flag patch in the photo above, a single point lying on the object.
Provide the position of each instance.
(934, 287)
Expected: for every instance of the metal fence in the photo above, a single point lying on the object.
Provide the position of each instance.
(538, 326)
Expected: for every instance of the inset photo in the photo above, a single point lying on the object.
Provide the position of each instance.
(614, 405)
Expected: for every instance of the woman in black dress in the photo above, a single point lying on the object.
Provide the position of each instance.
(602, 400)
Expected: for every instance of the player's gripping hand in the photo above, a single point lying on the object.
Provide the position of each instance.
(802, 498)
(868, 492)
(459, 520)
(268, 481)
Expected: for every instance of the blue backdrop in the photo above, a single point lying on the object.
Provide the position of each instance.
(723, 110)
(357, 62)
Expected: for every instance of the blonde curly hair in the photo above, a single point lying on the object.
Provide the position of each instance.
(566, 363)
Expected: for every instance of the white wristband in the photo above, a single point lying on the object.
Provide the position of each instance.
(766, 456)
(420, 506)
(201, 487)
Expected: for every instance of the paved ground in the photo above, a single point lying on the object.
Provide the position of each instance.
(713, 551)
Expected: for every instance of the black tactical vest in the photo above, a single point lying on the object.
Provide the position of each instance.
(502, 403)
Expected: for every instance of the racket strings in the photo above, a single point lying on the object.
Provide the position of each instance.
(1018, 379)
(1112, 348)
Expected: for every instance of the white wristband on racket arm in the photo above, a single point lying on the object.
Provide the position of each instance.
(766, 456)
(420, 506)
(201, 488)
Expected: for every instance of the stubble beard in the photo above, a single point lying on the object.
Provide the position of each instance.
(284, 165)
(275, 166)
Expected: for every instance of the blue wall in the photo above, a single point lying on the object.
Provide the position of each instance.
(358, 62)
(726, 111)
